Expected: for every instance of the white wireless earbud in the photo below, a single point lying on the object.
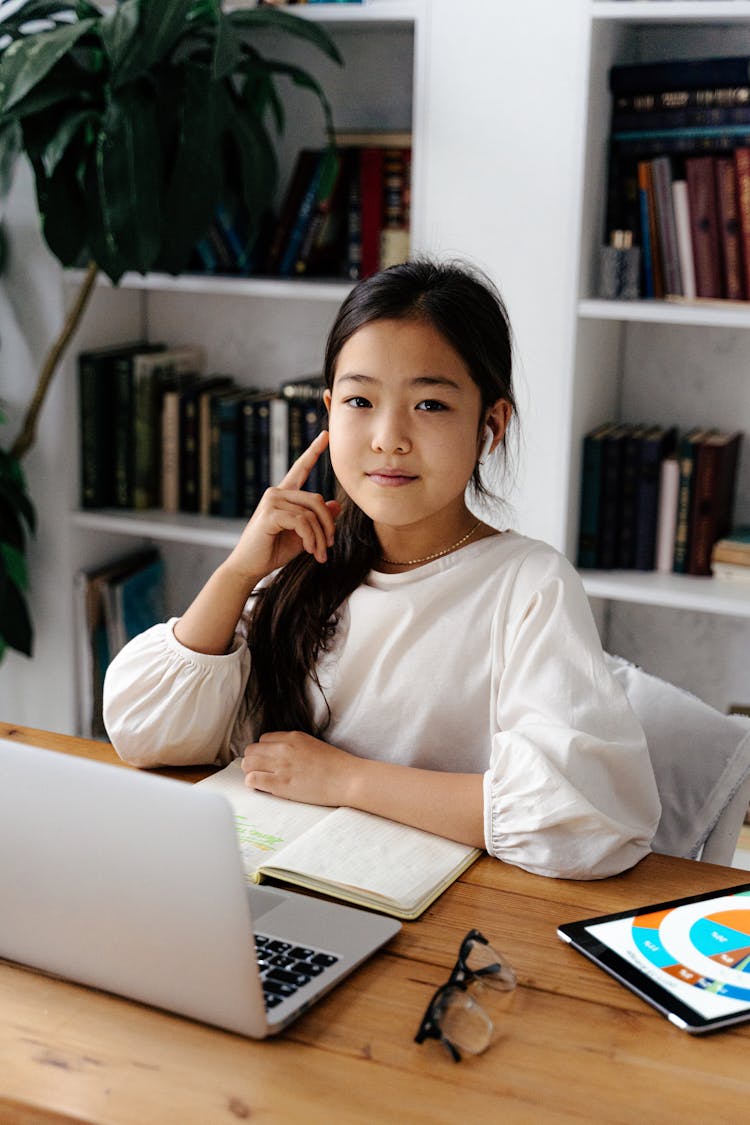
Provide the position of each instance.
(489, 437)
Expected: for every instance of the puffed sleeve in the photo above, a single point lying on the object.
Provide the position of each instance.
(167, 705)
(570, 791)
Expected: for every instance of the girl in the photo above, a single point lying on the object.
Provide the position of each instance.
(394, 653)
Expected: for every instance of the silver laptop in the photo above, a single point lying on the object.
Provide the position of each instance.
(131, 882)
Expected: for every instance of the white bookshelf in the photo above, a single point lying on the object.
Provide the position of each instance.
(668, 361)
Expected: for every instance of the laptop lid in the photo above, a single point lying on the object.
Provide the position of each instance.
(132, 883)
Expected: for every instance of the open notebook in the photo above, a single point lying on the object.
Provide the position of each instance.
(132, 883)
(342, 852)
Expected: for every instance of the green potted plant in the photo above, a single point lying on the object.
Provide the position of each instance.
(138, 117)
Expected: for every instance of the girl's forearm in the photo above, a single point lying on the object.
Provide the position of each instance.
(448, 804)
(209, 623)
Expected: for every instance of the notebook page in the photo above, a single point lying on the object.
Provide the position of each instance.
(265, 824)
(359, 850)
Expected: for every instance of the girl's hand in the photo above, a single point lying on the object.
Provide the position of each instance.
(300, 768)
(287, 521)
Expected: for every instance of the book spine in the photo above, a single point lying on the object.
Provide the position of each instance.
(684, 237)
(591, 490)
(279, 439)
(665, 223)
(354, 219)
(703, 514)
(146, 447)
(249, 489)
(371, 208)
(230, 458)
(679, 118)
(96, 404)
(628, 502)
(683, 143)
(680, 74)
(123, 426)
(666, 520)
(170, 451)
(687, 456)
(657, 100)
(394, 236)
(729, 228)
(610, 500)
(263, 446)
(742, 171)
(214, 458)
(189, 452)
(647, 247)
(701, 181)
(649, 470)
(302, 221)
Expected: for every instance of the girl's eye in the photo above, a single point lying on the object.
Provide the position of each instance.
(358, 402)
(430, 404)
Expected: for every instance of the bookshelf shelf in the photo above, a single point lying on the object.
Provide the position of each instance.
(172, 527)
(372, 11)
(716, 314)
(674, 591)
(670, 11)
(277, 288)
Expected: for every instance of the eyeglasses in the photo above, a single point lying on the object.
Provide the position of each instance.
(454, 1015)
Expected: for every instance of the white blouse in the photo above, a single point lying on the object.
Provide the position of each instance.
(484, 661)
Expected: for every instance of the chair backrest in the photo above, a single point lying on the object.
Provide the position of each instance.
(701, 761)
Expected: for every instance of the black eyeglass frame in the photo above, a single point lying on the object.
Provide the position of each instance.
(461, 977)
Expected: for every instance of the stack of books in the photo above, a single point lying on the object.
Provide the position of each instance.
(679, 177)
(157, 432)
(730, 557)
(653, 498)
(346, 212)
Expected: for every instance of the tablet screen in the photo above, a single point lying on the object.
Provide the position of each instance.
(695, 950)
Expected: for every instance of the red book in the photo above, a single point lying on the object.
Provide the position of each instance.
(371, 207)
(713, 497)
(701, 182)
(729, 228)
(742, 170)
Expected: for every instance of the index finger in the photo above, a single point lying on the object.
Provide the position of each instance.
(303, 466)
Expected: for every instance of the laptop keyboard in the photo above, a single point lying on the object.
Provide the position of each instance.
(285, 967)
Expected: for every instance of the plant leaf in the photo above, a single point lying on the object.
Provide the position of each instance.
(71, 124)
(301, 78)
(15, 623)
(130, 182)
(227, 49)
(15, 565)
(13, 492)
(26, 61)
(164, 23)
(292, 25)
(118, 31)
(197, 162)
(257, 161)
(11, 527)
(64, 208)
(11, 143)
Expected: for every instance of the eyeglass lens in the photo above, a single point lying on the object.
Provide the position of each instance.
(482, 961)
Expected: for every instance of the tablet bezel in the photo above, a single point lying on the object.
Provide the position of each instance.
(677, 1012)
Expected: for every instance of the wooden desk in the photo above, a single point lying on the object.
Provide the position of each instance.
(575, 1045)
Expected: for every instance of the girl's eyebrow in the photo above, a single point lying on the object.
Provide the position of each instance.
(417, 381)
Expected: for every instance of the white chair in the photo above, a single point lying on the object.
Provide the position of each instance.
(701, 761)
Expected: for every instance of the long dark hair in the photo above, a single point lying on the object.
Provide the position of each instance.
(294, 617)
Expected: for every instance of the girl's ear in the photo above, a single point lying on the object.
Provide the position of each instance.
(498, 417)
(327, 399)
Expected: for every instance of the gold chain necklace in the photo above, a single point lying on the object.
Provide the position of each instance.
(438, 554)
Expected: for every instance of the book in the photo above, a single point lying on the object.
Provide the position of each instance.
(228, 409)
(713, 497)
(170, 431)
(666, 517)
(341, 852)
(207, 448)
(190, 439)
(394, 235)
(684, 238)
(655, 444)
(96, 408)
(321, 248)
(93, 640)
(653, 284)
(734, 547)
(701, 181)
(591, 492)
(613, 447)
(151, 375)
(647, 101)
(302, 172)
(319, 183)
(124, 413)
(371, 208)
(729, 228)
(133, 600)
(742, 172)
(735, 572)
(680, 74)
(629, 496)
(687, 452)
(661, 172)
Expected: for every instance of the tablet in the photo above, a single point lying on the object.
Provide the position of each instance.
(689, 958)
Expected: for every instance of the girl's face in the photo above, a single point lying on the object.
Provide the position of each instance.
(404, 421)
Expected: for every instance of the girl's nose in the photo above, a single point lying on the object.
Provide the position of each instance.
(390, 436)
